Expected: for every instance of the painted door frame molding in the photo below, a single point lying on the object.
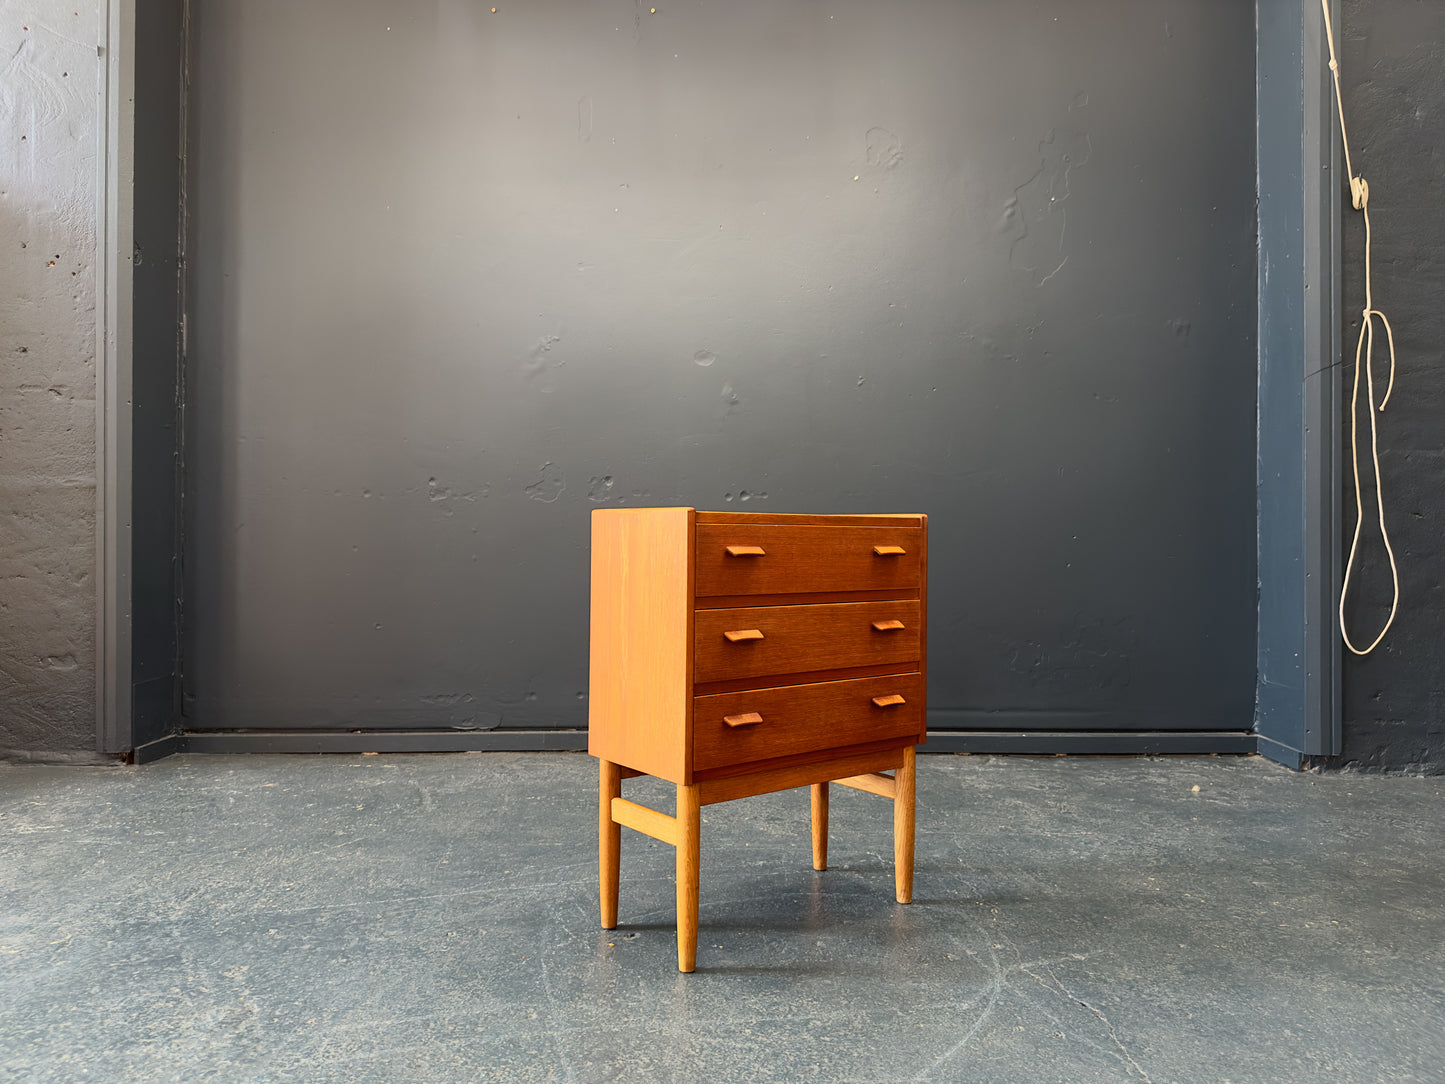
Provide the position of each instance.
(1298, 650)
(115, 306)
(1323, 392)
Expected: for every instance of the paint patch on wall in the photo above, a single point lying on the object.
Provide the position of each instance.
(885, 150)
(540, 366)
(445, 497)
(1093, 655)
(731, 400)
(549, 484)
(1035, 218)
(584, 119)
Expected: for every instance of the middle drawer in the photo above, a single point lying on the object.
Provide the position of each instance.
(767, 641)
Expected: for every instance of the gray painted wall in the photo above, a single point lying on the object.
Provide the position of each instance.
(460, 278)
(156, 398)
(48, 132)
(1393, 65)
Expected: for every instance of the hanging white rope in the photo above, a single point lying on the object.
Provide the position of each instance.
(1360, 197)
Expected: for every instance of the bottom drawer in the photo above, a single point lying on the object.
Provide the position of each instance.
(803, 718)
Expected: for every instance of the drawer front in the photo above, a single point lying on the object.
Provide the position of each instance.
(760, 641)
(771, 560)
(803, 719)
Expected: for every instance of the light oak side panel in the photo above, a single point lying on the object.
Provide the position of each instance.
(641, 640)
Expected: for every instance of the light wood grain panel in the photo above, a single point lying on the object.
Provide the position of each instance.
(799, 639)
(803, 718)
(885, 786)
(797, 559)
(647, 821)
(641, 639)
(815, 770)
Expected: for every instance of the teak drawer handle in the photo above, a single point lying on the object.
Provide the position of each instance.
(889, 551)
(746, 551)
(887, 626)
(749, 719)
(744, 634)
(889, 701)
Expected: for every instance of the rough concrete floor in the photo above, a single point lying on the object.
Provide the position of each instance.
(433, 918)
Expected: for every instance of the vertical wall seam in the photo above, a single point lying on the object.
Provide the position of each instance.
(104, 668)
(182, 360)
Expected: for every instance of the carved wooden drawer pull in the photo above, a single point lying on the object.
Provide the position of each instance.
(889, 551)
(889, 701)
(749, 719)
(887, 626)
(746, 551)
(744, 634)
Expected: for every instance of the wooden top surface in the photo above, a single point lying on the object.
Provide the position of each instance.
(785, 520)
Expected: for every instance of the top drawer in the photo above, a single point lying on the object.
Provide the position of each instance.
(744, 559)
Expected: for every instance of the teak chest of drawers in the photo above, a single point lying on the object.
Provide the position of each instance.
(738, 653)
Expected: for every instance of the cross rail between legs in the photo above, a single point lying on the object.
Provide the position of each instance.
(683, 830)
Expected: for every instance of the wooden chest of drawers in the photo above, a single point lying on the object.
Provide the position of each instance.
(737, 653)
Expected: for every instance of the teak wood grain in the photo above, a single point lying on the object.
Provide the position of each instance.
(799, 718)
(805, 559)
(798, 639)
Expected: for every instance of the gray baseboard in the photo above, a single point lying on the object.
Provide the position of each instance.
(383, 741)
(154, 750)
(1090, 743)
(997, 742)
(1292, 759)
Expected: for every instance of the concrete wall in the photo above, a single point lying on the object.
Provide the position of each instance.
(49, 74)
(1392, 57)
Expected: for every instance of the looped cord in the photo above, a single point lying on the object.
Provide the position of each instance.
(1360, 197)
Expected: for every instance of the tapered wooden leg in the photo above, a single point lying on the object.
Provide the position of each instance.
(609, 841)
(689, 854)
(903, 821)
(820, 825)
